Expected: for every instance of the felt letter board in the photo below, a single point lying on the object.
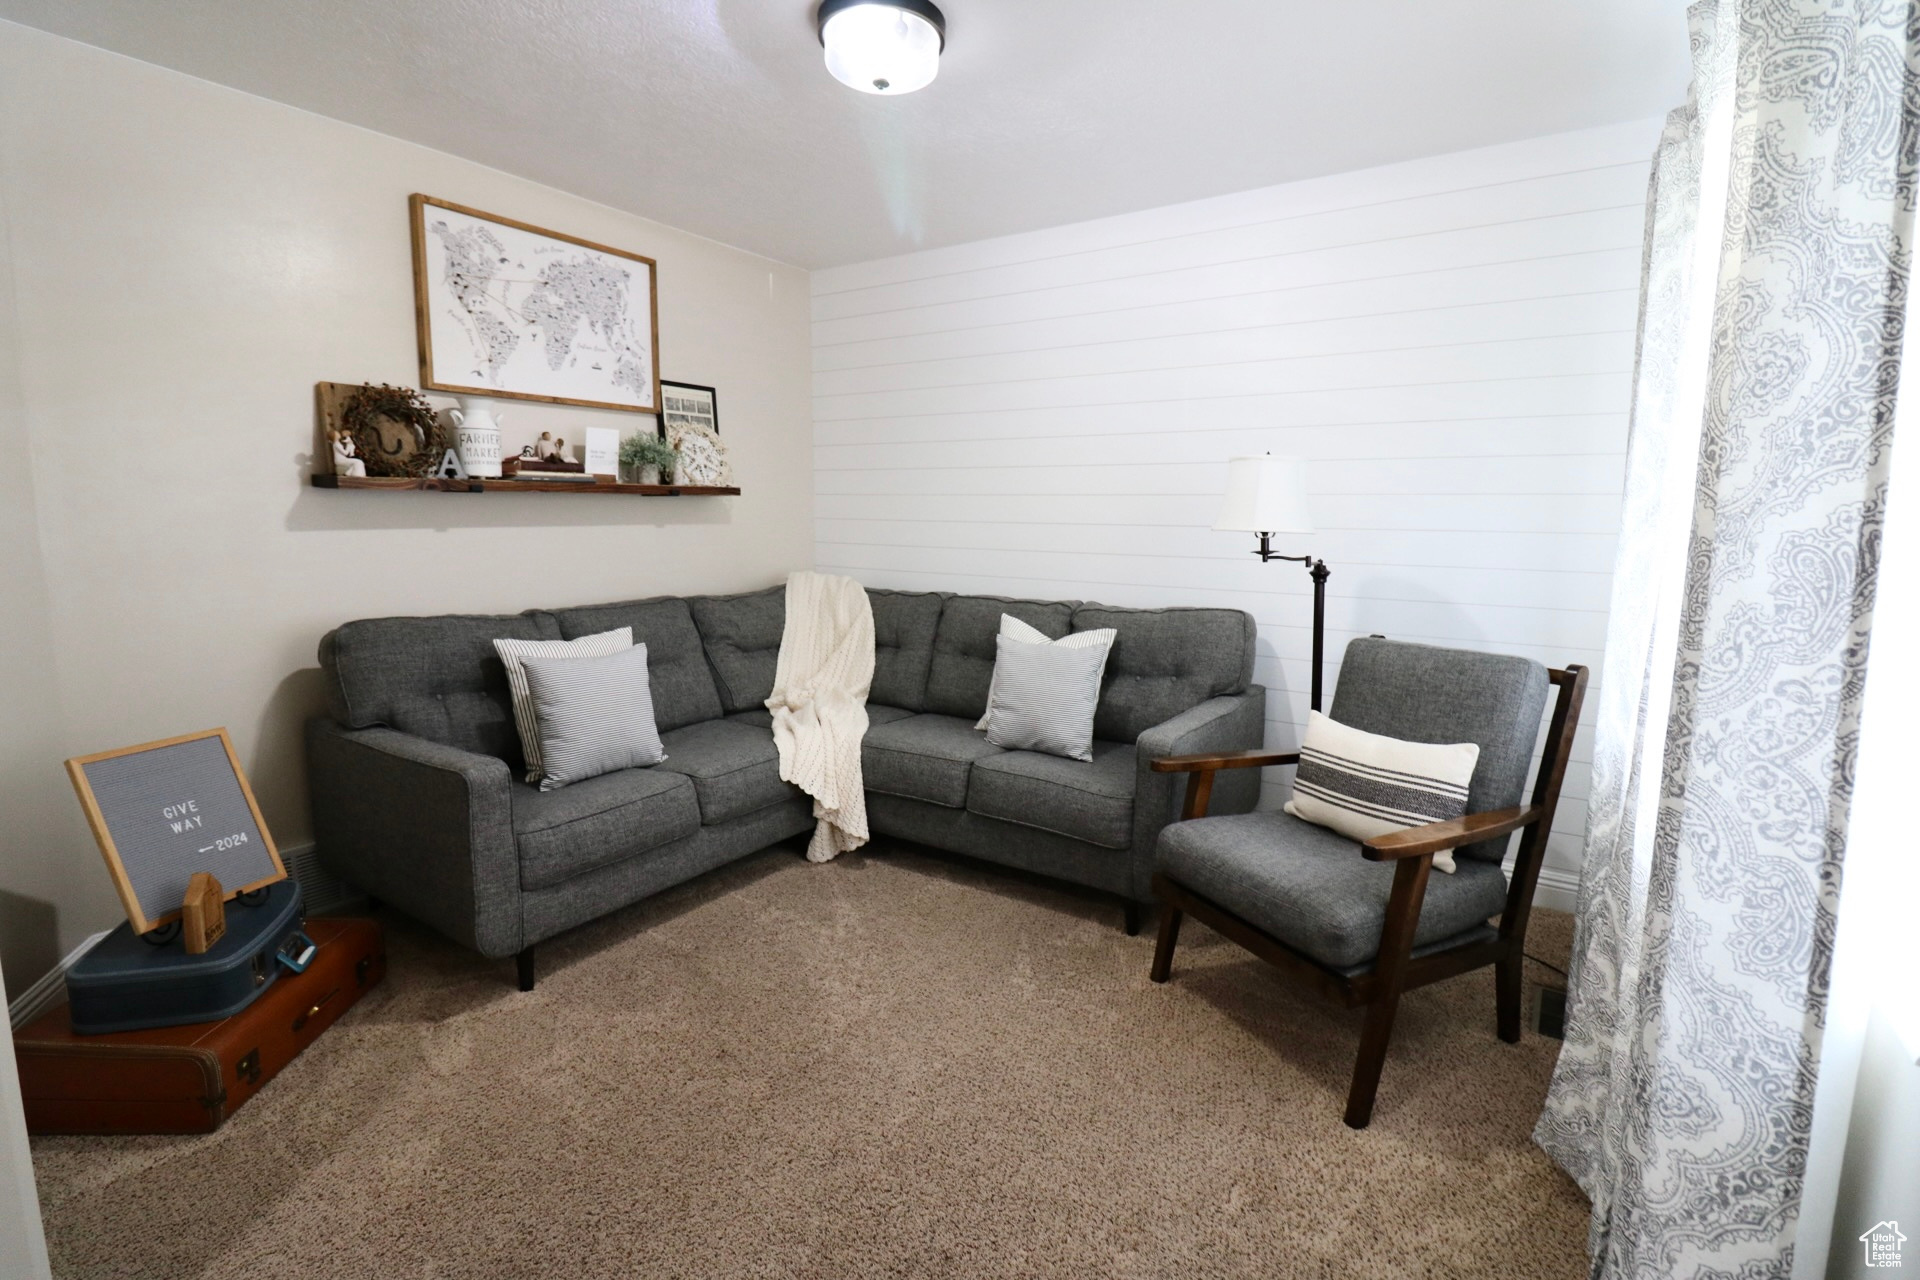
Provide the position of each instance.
(165, 810)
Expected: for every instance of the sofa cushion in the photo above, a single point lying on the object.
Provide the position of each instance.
(1088, 800)
(1423, 693)
(903, 627)
(1310, 887)
(683, 690)
(599, 821)
(876, 714)
(436, 678)
(1166, 661)
(734, 766)
(741, 634)
(964, 647)
(924, 757)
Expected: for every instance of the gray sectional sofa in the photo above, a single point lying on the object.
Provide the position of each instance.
(416, 774)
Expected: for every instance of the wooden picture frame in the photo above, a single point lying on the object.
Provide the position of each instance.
(109, 848)
(448, 379)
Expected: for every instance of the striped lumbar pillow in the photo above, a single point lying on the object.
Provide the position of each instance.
(514, 652)
(1364, 785)
(1043, 695)
(595, 714)
(1012, 628)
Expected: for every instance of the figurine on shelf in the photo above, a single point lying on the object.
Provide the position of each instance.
(543, 447)
(561, 453)
(346, 458)
(526, 451)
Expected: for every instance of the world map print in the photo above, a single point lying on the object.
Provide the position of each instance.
(513, 311)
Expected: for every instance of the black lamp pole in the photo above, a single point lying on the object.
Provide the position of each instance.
(1318, 570)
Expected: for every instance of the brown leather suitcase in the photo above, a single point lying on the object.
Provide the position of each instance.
(189, 1079)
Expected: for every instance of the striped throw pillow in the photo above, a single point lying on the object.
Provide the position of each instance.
(514, 652)
(1014, 629)
(1043, 696)
(595, 714)
(1364, 785)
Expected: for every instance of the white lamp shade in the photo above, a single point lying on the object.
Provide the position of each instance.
(1265, 494)
(878, 48)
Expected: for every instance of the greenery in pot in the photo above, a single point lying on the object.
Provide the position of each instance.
(649, 450)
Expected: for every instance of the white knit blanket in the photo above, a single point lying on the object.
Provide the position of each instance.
(819, 704)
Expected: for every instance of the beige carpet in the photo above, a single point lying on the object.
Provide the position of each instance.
(890, 1065)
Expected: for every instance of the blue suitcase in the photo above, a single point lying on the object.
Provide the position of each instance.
(126, 983)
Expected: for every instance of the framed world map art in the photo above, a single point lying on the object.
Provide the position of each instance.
(508, 309)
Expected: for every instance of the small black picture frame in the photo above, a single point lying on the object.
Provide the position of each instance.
(688, 403)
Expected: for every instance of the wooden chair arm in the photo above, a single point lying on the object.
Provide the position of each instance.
(1438, 837)
(1223, 760)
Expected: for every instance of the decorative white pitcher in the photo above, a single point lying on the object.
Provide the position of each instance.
(477, 435)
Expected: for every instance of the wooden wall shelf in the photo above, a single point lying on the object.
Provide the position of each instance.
(431, 485)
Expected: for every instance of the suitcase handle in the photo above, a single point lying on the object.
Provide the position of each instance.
(297, 951)
(313, 1011)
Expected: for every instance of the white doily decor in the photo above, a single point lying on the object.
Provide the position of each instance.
(703, 459)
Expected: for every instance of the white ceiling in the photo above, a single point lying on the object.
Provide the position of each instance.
(717, 116)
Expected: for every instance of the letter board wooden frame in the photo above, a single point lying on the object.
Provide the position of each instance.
(164, 810)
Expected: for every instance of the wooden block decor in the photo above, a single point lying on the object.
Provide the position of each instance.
(203, 915)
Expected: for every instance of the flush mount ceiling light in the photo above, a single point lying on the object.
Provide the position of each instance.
(883, 46)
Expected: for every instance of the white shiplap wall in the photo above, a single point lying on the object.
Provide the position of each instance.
(1450, 341)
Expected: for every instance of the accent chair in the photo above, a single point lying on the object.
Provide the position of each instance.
(1365, 921)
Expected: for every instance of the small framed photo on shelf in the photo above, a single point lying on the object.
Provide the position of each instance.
(685, 404)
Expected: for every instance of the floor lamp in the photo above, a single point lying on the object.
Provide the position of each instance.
(1267, 495)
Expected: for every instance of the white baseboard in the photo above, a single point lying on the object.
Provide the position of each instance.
(322, 891)
(50, 989)
(1556, 889)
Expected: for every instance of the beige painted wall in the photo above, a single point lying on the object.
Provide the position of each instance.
(181, 264)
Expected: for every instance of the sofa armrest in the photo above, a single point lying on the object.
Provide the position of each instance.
(1234, 722)
(424, 826)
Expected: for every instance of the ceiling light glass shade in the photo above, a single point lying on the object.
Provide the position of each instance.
(882, 48)
(1265, 494)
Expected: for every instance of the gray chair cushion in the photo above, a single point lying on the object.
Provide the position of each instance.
(600, 821)
(435, 678)
(1311, 888)
(1421, 693)
(1091, 801)
(903, 627)
(924, 757)
(741, 635)
(734, 766)
(1166, 661)
(964, 647)
(683, 690)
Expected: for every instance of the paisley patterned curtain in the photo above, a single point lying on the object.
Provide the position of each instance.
(1779, 234)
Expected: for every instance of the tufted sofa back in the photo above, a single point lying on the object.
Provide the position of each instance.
(435, 678)
(1165, 661)
(438, 677)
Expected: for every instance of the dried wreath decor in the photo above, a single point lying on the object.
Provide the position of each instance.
(360, 419)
